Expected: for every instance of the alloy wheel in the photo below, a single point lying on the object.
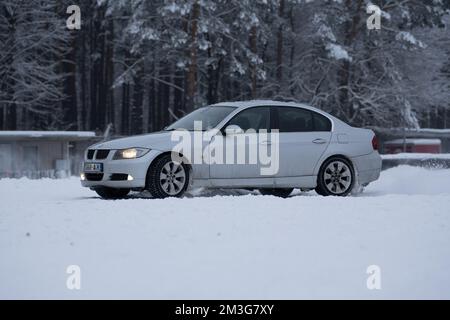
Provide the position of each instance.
(172, 178)
(337, 177)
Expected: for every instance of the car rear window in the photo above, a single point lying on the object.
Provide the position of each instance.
(295, 120)
(321, 123)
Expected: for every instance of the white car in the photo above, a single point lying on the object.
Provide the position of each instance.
(313, 150)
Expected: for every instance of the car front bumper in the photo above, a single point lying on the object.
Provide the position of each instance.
(135, 171)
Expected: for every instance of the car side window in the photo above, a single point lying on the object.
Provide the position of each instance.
(254, 118)
(321, 123)
(295, 120)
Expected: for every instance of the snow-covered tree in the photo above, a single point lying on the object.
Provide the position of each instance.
(33, 38)
(141, 64)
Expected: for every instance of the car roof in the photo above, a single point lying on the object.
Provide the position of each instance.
(260, 103)
(255, 103)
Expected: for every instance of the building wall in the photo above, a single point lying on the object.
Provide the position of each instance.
(31, 158)
(39, 156)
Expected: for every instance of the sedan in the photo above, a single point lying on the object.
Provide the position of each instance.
(270, 146)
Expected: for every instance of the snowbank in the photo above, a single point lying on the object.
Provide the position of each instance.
(233, 247)
(408, 180)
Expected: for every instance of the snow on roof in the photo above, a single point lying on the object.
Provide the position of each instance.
(77, 135)
(417, 142)
(416, 156)
(432, 130)
(411, 132)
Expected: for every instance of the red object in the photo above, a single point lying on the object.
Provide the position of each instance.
(433, 146)
(375, 143)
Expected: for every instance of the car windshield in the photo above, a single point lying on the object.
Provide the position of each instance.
(209, 117)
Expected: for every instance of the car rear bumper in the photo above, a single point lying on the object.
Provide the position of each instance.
(123, 174)
(368, 167)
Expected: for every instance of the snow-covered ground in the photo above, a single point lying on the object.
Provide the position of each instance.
(228, 246)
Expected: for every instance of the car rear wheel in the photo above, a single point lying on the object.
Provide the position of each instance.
(167, 178)
(336, 178)
(112, 194)
(282, 193)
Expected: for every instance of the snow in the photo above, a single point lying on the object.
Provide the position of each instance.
(419, 132)
(236, 246)
(416, 156)
(338, 52)
(326, 32)
(406, 180)
(430, 130)
(47, 134)
(409, 38)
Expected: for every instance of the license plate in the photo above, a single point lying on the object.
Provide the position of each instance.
(93, 167)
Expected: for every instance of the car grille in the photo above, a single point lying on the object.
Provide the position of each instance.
(102, 154)
(94, 176)
(90, 154)
(98, 154)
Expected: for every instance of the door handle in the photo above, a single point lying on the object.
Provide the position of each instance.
(320, 141)
(266, 143)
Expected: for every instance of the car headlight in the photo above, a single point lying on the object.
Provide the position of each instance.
(132, 153)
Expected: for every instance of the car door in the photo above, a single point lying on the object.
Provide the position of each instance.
(233, 172)
(304, 137)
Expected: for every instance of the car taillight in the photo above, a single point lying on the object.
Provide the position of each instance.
(375, 143)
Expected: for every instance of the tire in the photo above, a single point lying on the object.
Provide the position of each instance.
(166, 179)
(281, 193)
(112, 194)
(336, 178)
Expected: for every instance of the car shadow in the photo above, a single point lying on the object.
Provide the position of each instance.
(211, 193)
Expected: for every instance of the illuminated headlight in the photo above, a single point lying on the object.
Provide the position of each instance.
(132, 153)
(82, 177)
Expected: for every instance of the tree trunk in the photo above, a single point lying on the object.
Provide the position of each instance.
(253, 48)
(109, 74)
(280, 43)
(146, 105)
(351, 32)
(192, 70)
(293, 49)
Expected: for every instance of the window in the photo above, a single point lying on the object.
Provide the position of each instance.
(210, 117)
(254, 118)
(321, 123)
(295, 120)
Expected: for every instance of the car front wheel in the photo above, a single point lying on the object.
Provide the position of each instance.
(167, 178)
(336, 178)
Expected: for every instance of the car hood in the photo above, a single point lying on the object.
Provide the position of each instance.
(157, 141)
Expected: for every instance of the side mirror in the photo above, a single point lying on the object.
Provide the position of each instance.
(233, 130)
